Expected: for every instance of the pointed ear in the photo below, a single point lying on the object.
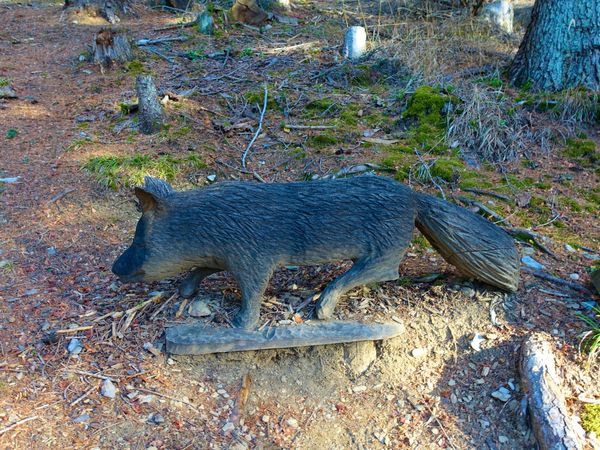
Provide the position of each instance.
(148, 201)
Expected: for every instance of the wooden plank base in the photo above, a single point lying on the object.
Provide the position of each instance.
(198, 339)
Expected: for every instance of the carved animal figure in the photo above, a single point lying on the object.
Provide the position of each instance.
(249, 229)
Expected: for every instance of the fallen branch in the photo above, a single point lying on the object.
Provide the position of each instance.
(10, 180)
(482, 209)
(488, 193)
(143, 42)
(309, 127)
(16, 424)
(75, 330)
(546, 276)
(60, 195)
(552, 426)
(148, 391)
(258, 130)
(529, 237)
(83, 396)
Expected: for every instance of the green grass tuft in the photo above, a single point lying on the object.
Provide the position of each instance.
(127, 171)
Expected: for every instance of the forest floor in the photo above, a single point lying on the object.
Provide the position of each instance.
(64, 319)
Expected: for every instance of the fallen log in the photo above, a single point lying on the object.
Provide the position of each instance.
(552, 426)
(199, 339)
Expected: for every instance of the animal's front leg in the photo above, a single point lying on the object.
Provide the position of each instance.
(190, 283)
(253, 283)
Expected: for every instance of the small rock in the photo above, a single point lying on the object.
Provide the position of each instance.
(228, 427)
(292, 422)
(108, 389)
(156, 419)
(7, 92)
(359, 389)
(265, 418)
(418, 352)
(51, 251)
(146, 398)
(223, 393)
(468, 291)
(528, 251)
(574, 276)
(501, 394)
(75, 346)
(82, 418)
(485, 371)
(569, 248)
(503, 439)
(199, 308)
(476, 342)
(531, 263)
(451, 382)
(82, 58)
(211, 177)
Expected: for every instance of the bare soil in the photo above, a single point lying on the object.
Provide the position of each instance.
(61, 230)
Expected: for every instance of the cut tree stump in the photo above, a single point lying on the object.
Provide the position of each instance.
(107, 9)
(552, 426)
(198, 339)
(150, 116)
(111, 48)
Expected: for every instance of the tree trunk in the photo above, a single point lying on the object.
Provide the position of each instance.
(108, 9)
(111, 48)
(150, 112)
(561, 47)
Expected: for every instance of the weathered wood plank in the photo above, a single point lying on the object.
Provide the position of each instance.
(198, 339)
(552, 426)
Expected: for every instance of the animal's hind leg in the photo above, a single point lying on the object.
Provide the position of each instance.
(364, 271)
(189, 285)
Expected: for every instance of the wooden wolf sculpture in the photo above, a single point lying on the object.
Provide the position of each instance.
(249, 229)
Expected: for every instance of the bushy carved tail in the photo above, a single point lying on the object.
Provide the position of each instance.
(473, 244)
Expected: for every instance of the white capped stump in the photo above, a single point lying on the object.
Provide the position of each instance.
(355, 43)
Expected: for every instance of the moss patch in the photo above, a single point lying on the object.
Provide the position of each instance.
(590, 418)
(322, 140)
(116, 171)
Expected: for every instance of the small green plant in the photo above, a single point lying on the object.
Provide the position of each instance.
(115, 171)
(135, 68)
(246, 52)
(11, 133)
(591, 340)
(322, 140)
(590, 418)
(196, 53)
(4, 82)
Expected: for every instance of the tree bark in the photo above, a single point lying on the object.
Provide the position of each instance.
(561, 47)
(111, 48)
(552, 426)
(108, 9)
(150, 112)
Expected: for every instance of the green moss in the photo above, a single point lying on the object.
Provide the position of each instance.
(453, 170)
(116, 171)
(135, 68)
(258, 98)
(426, 105)
(319, 105)
(322, 140)
(590, 418)
(580, 148)
(570, 203)
(4, 82)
